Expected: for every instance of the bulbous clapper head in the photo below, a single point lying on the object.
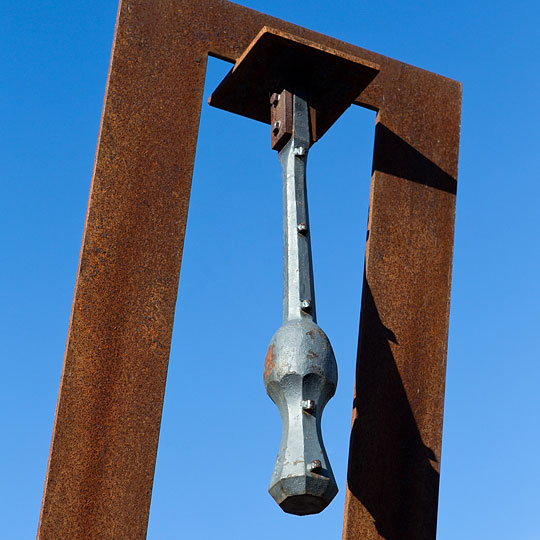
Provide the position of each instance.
(300, 376)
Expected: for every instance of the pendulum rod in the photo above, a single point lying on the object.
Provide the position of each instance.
(298, 290)
(300, 369)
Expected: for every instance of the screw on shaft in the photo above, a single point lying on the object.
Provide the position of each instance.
(308, 405)
(302, 228)
(274, 99)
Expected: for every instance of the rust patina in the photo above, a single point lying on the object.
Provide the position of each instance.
(101, 464)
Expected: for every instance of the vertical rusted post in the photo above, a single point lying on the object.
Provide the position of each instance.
(101, 465)
(393, 474)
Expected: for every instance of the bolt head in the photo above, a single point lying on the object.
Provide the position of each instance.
(276, 126)
(300, 151)
(308, 405)
(306, 305)
(302, 228)
(274, 99)
(314, 466)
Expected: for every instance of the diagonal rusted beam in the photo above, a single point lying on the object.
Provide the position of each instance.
(102, 459)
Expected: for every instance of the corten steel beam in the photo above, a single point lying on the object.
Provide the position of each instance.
(101, 464)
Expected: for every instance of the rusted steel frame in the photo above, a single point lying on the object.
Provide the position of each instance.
(101, 465)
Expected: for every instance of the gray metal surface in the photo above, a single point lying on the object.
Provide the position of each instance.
(300, 369)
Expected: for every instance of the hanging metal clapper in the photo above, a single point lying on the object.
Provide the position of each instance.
(300, 89)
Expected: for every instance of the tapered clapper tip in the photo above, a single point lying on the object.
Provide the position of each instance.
(317, 494)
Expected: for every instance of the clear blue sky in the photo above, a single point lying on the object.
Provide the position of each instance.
(55, 57)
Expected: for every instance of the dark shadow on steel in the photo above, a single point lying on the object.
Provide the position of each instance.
(394, 477)
(407, 162)
(391, 471)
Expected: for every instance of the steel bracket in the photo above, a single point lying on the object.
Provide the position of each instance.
(281, 118)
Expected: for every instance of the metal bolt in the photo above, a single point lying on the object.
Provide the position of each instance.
(274, 99)
(300, 151)
(306, 305)
(314, 466)
(276, 127)
(303, 228)
(308, 405)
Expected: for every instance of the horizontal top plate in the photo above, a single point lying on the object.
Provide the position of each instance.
(275, 61)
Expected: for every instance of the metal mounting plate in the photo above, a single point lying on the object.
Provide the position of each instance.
(277, 60)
